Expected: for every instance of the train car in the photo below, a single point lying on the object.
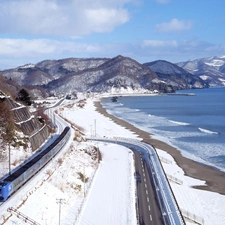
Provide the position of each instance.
(20, 176)
(5, 190)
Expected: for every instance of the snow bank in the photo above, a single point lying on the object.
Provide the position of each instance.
(111, 199)
(203, 205)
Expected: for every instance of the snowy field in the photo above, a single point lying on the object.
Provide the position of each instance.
(111, 197)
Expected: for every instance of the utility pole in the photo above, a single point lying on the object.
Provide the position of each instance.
(60, 201)
(95, 128)
(84, 179)
(9, 159)
(91, 130)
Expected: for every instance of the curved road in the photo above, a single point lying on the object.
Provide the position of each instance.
(147, 205)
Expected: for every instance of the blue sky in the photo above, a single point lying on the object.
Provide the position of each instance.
(145, 30)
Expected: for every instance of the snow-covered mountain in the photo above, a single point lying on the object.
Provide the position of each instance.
(119, 74)
(211, 70)
(175, 75)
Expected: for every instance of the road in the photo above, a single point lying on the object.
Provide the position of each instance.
(148, 210)
(147, 205)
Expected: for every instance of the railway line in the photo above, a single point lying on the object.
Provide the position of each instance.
(14, 181)
(10, 183)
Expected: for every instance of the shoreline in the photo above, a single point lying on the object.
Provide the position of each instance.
(215, 179)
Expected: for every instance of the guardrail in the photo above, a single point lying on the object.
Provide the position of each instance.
(167, 202)
(169, 206)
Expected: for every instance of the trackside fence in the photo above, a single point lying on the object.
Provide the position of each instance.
(192, 217)
(22, 216)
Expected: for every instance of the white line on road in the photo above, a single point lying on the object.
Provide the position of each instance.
(151, 217)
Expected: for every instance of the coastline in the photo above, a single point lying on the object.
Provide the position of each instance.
(215, 179)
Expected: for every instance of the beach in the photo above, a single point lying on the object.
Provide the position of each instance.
(215, 179)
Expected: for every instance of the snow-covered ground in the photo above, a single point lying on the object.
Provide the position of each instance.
(111, 197)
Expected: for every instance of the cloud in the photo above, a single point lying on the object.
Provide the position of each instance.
(177, 51)
(17, 52)
(160, 43)
(163, 1)
(37, 48)
(174, 25)
(70, 18)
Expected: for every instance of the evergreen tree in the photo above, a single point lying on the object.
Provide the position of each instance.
(24, 96)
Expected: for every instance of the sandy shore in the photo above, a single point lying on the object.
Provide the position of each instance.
(215, 179)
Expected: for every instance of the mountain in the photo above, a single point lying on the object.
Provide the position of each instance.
(115, 75)
(9, 87)
(49, 70)
(211, 70)
(175, 75)
(119, 74)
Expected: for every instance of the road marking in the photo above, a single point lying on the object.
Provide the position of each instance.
(146, 191)
(147, 199)
(150, 217)
(145, 185)
(149, 208)
(144, 180)
(144, 174)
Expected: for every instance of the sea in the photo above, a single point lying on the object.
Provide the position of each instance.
(193, 121)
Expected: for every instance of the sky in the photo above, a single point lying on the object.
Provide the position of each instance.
(145, 30)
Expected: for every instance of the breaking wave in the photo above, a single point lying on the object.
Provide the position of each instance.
(207, 131)
(179, 123)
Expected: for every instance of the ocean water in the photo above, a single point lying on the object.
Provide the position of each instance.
(193, 124)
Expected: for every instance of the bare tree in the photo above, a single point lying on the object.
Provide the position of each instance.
(7, 127)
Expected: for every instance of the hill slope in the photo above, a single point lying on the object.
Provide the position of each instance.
(175, 75)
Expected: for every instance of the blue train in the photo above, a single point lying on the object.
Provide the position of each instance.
(15, 180)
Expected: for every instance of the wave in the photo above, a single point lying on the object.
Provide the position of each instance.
(207, 131)
(137, 110)
(179, 123)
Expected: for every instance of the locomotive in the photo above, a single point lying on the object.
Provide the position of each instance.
(19, 177)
